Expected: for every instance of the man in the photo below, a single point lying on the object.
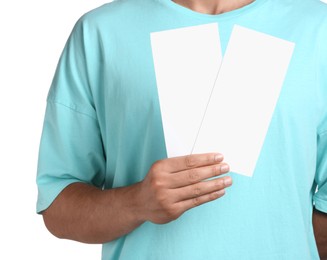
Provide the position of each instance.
(103, 176)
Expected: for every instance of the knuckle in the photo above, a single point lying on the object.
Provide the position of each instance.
(211, 158)
(193, 175)
(196, 201)
(189, 161)
(156, 183)
(171, 213)
(161, 198)
(215, 170)
(219, 183)
(197, 191)
(156, 166)
(213, 196)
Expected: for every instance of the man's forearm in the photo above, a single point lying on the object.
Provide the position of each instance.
(320, 230)
(84, 213)
(172, 186)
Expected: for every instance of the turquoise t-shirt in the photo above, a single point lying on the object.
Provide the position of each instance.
(103, 126)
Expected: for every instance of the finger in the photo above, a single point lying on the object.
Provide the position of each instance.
(197, 201)
(195, 175)
(181, 163)
(202, 188)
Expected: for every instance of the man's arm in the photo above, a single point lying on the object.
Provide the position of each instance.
(320, 231)
(87, 214)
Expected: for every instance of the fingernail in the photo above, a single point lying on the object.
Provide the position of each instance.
(224, 168)
(218, 157)
(228, 181)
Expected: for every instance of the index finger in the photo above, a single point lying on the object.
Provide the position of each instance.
(181, 163)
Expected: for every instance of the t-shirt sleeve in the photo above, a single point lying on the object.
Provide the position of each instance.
(320, 197)
(71, 148)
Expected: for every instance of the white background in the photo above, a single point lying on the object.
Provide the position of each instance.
(32, 33)
(32, 36)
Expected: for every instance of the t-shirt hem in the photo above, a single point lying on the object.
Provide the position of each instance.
(320, 204)
(48, 193)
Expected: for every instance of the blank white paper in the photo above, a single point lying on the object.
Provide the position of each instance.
(244, 98)
(186, 62)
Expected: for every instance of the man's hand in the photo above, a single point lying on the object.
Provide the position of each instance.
(175, 185)
(172, 186)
